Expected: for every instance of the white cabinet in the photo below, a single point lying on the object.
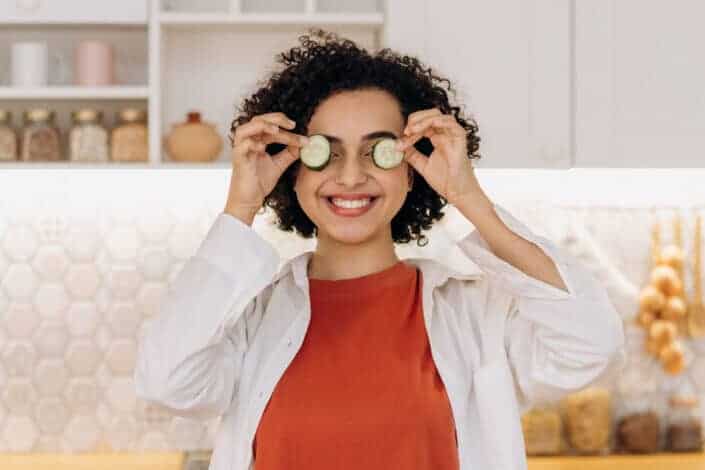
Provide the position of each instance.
(73, 11)
(640, 83)
(509, 61)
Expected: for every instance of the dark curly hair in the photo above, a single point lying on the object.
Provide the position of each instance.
(325, 64)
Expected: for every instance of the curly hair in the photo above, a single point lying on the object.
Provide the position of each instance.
(326, 64)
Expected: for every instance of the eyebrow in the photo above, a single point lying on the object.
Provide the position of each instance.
(372, 135)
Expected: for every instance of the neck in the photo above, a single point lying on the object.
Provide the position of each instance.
(334, 260)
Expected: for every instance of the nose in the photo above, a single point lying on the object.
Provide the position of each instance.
(351, 173)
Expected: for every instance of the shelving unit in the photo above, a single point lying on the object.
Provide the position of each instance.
(173, 57)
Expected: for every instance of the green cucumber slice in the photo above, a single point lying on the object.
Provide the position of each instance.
(385, 155)
(316, 153)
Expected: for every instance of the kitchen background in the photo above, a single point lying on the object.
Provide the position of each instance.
(114, 162)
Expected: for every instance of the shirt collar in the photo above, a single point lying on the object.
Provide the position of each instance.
(434, 273)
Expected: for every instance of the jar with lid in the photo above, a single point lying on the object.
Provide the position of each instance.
(542, 427)
(638, 427)
(685, 429)
(8, 137)
(588, 420)
(129, 139)
(41, 140)
(88, 139)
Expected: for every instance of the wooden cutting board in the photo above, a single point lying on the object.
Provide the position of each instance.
(102, 461)
(686, 461)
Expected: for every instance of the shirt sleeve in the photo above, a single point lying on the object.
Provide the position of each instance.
(190, 356)
(557, 342)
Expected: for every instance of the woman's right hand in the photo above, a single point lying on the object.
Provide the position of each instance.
(255, 172)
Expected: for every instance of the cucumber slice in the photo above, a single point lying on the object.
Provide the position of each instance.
(316, 153)
(385, 155)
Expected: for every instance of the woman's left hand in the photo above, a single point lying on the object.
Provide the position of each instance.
(448, 170)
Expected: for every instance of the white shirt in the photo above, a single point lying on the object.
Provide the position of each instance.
(502, 341)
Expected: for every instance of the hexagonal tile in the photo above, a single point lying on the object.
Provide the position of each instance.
(123, 281)
(20, 282)
(20, 433)
(19, 396)
(122, 433)
(121, 356)
(121, 394)
(697, 372)
(122, 243)
(82, 394)
(21, 320)
(153, 441)
(4, 264)
(20, 243)
(51, 339)
(83, 357)
(82, 318)
(52, 415)
(154, 226)
(51, 376)
(19, 358)
(51, 262)
(82, 242)
(49, 444)
(152, 414)
(124, 319)
(52, 301)
(83, 281)
(52, 227)
(83, 433)
(183, 241)
(155, 263)
(150, 297)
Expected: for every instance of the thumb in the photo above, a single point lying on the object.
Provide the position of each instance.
(417, 160)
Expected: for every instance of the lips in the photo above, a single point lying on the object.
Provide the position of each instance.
(350, 212)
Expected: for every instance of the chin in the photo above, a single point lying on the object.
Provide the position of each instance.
(350, 234)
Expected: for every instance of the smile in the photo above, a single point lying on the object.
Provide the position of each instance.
(350, 208)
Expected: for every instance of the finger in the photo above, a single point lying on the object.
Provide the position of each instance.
(410, 140)
(277, 118)
(417, 160)
(286, 137)
(285, 158)
(252, 129)
(444, 122)
(418, 115)
(247, 149)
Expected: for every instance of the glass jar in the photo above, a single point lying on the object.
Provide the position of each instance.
(685, 429)
(543, 430)
(41, 140)
(588, 420)
(639, 427)
(88, 139)
(8, 137)
(129, 140)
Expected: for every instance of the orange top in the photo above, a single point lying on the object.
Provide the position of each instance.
(363, 390)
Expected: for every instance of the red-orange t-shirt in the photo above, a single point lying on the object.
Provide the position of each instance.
(363, 391)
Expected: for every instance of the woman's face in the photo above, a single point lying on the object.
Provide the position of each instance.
(353, 122)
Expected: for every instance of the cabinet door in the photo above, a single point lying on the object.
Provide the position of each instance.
(53, 11)
(509, 61)
(640, 83)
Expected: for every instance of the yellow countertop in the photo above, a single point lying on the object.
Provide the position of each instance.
(97, 461)
(684, 461)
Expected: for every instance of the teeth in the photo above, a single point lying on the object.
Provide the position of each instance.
(351, 204)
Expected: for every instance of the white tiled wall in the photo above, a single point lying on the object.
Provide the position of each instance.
(85, 259)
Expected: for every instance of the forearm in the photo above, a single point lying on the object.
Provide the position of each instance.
(507, 245)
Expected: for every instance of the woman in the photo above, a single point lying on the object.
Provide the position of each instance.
(346, 356)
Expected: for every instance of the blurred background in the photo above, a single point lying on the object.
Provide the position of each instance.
(114, 162)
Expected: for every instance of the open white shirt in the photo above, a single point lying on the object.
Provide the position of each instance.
(233, 320)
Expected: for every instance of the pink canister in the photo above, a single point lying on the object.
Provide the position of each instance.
(94, 63)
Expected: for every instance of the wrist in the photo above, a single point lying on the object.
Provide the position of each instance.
(246, 213)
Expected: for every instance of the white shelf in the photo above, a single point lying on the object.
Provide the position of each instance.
(75, 92)
(65, 165)
(174, 20)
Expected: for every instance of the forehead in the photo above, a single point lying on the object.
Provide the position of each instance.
(352, 114)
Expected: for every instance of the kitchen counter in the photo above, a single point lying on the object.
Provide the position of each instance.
(97, 461)
(689, 461)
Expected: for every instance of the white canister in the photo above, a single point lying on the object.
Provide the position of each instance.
(29, 64)
(94, 63)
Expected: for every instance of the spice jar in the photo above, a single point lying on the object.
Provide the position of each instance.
(129, 142)
(543, 430)
(588, 419)
(639, 428)
(685, 431)
(88, 139)
(41, 140)
(8, 137)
